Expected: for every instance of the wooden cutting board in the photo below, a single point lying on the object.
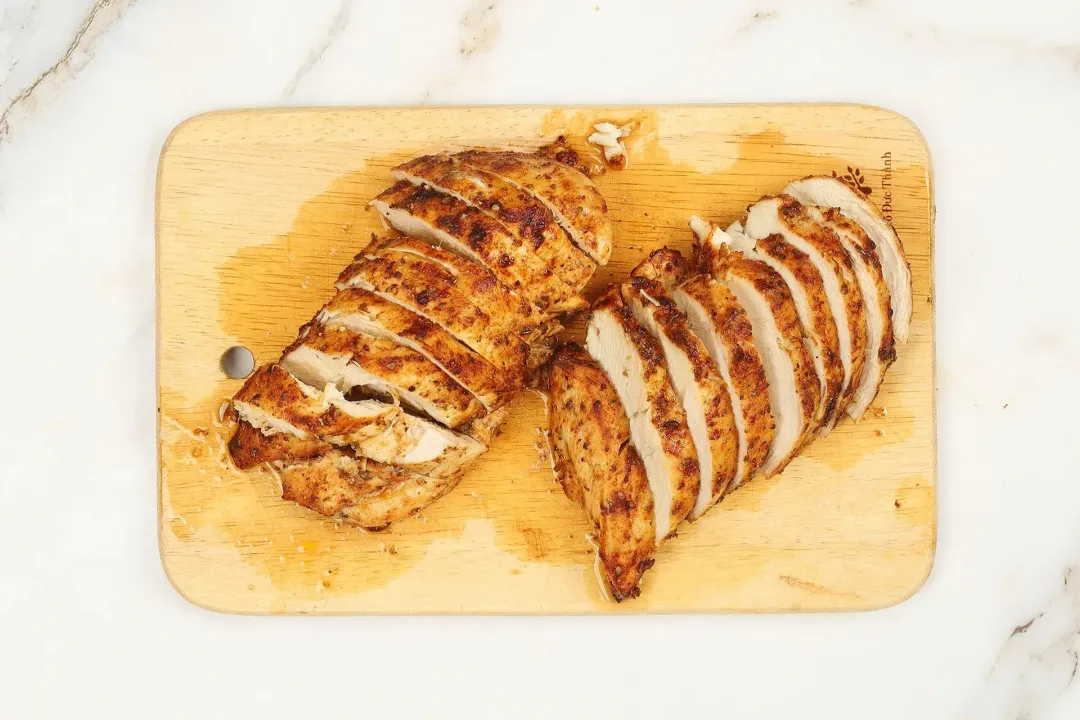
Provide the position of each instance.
(257, 211)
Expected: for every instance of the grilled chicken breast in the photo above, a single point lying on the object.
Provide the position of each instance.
(404, 377)
(794, 388)
(447, 222)
(479, 284)
(832, 192)
(786, 216)
(365, 312)
(569, 194)
(634, 362)
(701, 391)
(812, 303)
(599, 468)
(717, 318)
(523, 215)
(880, 345)
(430, 291)
(366, 493)
(348, 359)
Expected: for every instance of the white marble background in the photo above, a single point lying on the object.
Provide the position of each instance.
(89, 626)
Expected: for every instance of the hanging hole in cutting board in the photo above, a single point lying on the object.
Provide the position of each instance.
(237, 362)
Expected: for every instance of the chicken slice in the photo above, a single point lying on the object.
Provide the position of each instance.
(478, 283)
(716, 317)
(569, 194)
(720, 324)
(447, 222)
(365, 312)
(523, 215)
(786, 216)
(834, 193)
(701, 391)
(634, 362)
(794, 388)
(250, 446)
(421, 446)
(429, 291)
(880, 345)
(275, 402)
(348, 359)
(812, 303)
(366, 493)
(598, 467)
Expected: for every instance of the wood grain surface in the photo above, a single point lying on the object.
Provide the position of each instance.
(257, 212)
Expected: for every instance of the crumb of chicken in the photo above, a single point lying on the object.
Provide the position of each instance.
(608, 137)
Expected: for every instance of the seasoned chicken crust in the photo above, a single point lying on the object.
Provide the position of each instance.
(523, 215)
(569, 193)
(599, 468)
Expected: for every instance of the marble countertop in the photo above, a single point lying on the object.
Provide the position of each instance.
(89, 625)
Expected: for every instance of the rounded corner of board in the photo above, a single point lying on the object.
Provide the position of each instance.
(183, 587)
(919, 137)
(188, 125)
(919, 579)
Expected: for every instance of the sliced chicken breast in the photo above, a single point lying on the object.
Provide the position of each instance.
(717, 318)
(250, 446)
(787, 217)
(348, 359)
(278, 403)
(447, 222)
(701, 391)
(366, 493)
(634, 362)
(834, 193)
(479, 284)
(273, 401)
(794, 388)
(430, 292)
(598, 467)
(523, 215)
(421, 446)
(880, 345)
(568, 193)
(413, 443)
(812, 303)
(365, 312)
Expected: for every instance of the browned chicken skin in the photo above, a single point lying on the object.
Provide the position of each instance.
(363, 311)
(523, 215)
(448, 222)
(513, 310)
(367, 493)
(430, 291)
(570, 195)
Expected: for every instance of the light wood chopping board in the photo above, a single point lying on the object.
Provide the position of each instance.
(258, 211)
